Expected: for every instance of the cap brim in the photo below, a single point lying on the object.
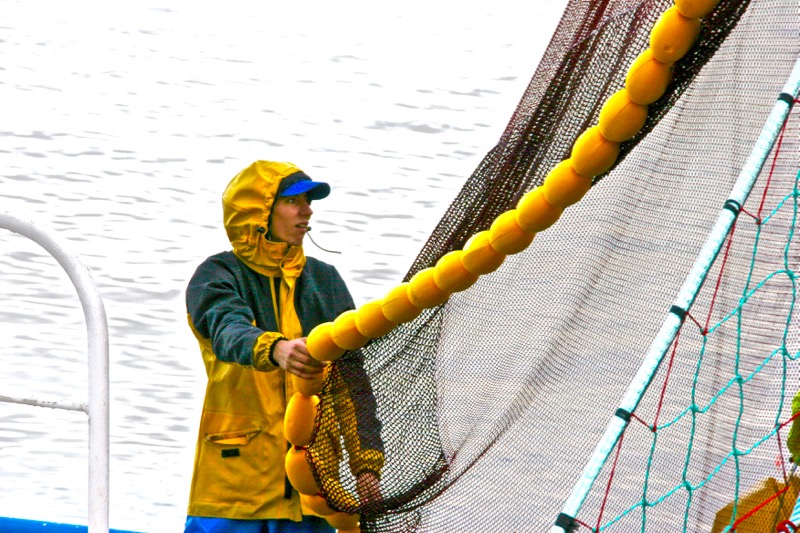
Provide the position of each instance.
(316, 190)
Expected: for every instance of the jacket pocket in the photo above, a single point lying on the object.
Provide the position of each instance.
(234, 437)
(234, 462)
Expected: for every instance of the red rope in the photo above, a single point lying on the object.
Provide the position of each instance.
(610, 479)
(719, 277)
(772, 168)
(666, 379)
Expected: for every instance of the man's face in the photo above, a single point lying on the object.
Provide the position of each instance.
(290, 216)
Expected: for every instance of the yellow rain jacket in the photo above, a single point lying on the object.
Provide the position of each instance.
(239, 304)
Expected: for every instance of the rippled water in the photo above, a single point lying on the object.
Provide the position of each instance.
(121, 123)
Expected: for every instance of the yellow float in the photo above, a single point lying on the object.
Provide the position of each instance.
(299, 472)
(320, 343)
(593, 154)
(506, 236)
(343, 521)
(479, 257)
(309, 387)
(316, 504)
(647, 79)
(344, 332)
(298, 421)
(397, 306)
(673, 35)
(563, 186)
(534, 213)
(371, 321)
(621, 118)
(423, 291)
(695, 9)
(451, 275)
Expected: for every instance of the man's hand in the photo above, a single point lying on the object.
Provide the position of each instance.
(368, 488)
(293, 357)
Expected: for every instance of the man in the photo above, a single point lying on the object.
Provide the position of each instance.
(249, 309)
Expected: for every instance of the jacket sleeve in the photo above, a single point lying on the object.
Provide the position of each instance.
(218, 312)
(357, 403)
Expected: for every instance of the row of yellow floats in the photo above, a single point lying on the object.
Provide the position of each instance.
(594, 152)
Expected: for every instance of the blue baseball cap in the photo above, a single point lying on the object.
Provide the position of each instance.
(299, 183)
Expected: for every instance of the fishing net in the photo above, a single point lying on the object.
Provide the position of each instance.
(492, 403)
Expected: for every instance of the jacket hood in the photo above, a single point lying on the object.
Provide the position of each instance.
(246, 206)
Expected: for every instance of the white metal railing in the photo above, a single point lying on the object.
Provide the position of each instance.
(97, 330)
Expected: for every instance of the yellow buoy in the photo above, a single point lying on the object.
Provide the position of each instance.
(316, 504)
(450, 274)
(506, 236)
(479, 257)
(371, 321)
(299, 472)
(621, 118)
(344, 332)
(535, 213)
(593, 154)
(298, 421)
(343, 521)
(563, 186)
(647, 79)
(397, 307)
(312, 386)
(673, 35)
(695, 9)
(320, 344)
(423, 291)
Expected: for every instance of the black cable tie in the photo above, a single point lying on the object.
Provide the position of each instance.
(786, 97)
(678, 311)
(733, 206)
(623, 414)
(565, 522)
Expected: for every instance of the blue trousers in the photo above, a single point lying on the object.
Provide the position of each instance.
(202, 524)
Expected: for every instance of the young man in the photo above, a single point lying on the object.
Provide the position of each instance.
(249, 309)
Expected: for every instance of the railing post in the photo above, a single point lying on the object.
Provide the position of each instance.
(97, 331)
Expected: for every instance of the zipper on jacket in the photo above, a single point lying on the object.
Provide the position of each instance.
(287, 486)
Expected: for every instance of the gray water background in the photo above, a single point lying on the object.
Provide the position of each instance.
(120, 124)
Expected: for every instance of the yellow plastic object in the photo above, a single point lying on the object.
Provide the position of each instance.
(298, 421)
(316, 504)
(506, 236)
(309, 387)
(621, 118)
(343, 521)
(371, 321)
(695, 9)
(563, 186)
(320, 343)
(299, 472)
(450, 274)
(344, 332)
(349, 530)
(479, 257)
(673, 35)
(647, 79)
(593, 154)
(535, 213)
(423, 291)
(397, 307)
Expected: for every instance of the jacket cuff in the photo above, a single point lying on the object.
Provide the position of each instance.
(367, 461)
(262, 351)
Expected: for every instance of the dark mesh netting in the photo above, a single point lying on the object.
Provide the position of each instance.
(492, 403)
